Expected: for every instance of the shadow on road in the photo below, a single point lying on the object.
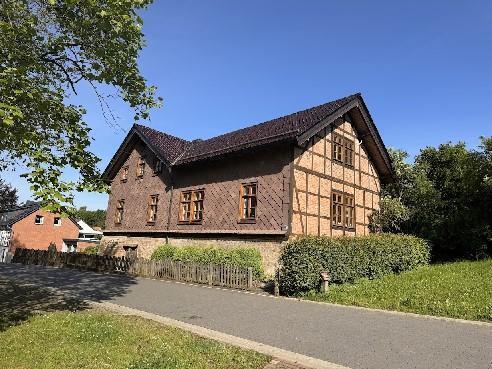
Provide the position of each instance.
(21, 294)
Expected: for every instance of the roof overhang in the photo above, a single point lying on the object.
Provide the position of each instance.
(366, 131)
(125, 150)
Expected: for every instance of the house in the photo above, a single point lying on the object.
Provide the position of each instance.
(315, 172)
(29, 226)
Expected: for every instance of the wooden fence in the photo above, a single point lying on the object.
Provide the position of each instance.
(211, 274)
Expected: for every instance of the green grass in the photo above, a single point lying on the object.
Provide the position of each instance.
(95, 339)
(457, 290)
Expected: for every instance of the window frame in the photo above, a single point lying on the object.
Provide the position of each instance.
(157, 168)
(40, 217)
(343, 150)
(249, 196)
(192, 206)
(59, 221)
(124, 173)
(119, 213)
(152, 208)
(339, 210)
(140, 167)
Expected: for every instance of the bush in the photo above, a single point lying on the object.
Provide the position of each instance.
(91, 250)
(347, 259)
(240, 257)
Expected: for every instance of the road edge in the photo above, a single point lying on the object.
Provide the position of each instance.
(272, 351)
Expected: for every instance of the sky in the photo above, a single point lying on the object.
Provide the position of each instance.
(423, 68)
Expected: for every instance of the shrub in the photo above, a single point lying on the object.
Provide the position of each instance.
(240, 257)
(91, 250)
(347, 259)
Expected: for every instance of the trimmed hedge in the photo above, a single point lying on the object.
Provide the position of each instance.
(91, 250)
(240, 257)
(347, 259)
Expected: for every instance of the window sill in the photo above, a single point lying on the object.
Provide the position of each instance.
(184, 222)
(246, 221)
(150, 223)
(342, 227)
(124, 180)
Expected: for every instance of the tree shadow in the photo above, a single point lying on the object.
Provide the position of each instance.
(28, 290)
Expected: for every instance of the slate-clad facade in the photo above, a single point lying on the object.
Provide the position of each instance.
(318, 172)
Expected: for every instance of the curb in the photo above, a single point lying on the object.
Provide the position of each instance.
(288, 356)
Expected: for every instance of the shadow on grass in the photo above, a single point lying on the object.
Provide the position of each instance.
(23, 291)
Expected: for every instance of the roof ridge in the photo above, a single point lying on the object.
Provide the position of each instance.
(160, 132)
(286, 116)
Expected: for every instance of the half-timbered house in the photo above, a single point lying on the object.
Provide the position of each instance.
(317, 172)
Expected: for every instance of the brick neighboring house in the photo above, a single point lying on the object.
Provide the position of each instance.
(317, 171)
(29, 226)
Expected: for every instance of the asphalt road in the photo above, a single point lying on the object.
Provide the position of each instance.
(351, 337)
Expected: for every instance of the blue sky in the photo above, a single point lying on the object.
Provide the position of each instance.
(423, 67)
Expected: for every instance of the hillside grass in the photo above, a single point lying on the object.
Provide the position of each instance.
(456, 290)
(98, 339)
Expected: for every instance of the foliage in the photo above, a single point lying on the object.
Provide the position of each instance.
(390, 217)
(8, 196)
(347, 259)
(241, 256)
(456, 290)
(94, 340)
(448, 193)
(91, 250)
(94, 218)
(47, 48)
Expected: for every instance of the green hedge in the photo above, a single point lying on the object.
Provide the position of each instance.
(91, 250)
(347, 259)
(241, 257)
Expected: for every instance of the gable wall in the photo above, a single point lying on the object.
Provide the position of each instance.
(27, 234)
(136, 191)
(316, 175)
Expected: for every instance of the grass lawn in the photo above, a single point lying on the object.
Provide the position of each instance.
(95, 339)
(39, 330)
(457, 290)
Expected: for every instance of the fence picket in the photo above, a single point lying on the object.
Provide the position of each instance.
(211, 274)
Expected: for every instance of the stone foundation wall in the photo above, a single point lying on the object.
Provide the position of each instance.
(269, 249)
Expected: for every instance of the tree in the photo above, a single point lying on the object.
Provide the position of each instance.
(94, 218)
(448, 194)
(47, 48)
(390, 217)
(8, 196)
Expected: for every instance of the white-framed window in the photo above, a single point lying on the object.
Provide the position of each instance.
(57, 221)
(39, 219)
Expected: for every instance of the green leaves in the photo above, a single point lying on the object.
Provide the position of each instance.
(46, 49)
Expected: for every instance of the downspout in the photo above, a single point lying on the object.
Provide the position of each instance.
(170, 205)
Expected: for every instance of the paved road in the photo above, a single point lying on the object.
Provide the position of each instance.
(352, 337)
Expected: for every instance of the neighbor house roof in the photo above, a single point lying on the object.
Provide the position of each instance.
(298, 126)
(13, 215)
(86, 229)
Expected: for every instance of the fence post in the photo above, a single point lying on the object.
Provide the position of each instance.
(250, 277)
(210, 273)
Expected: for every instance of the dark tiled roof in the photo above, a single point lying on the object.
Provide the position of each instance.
(178, 151)
(170, 147)
(12, 216)
(288, 126)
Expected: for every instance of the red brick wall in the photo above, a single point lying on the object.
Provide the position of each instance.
(27, 234)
